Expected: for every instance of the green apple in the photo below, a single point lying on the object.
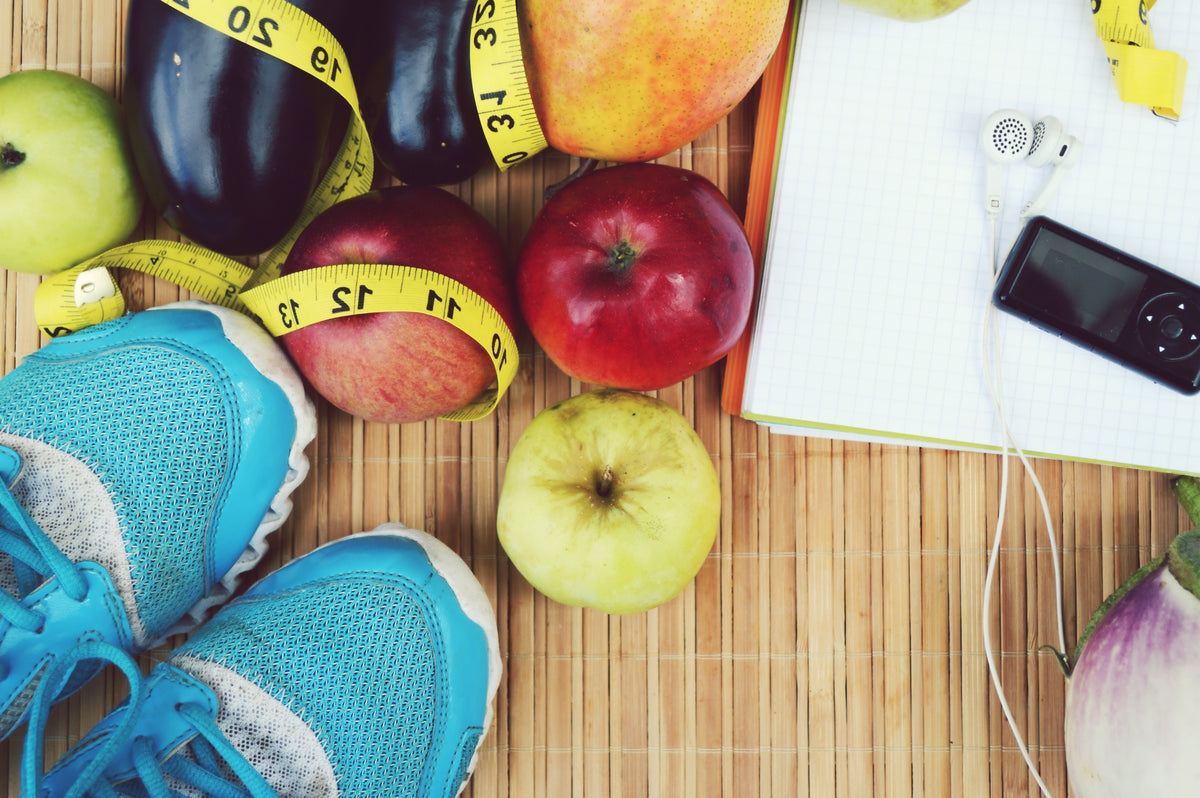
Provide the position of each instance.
(68, 186)
(610, 501)
(908, 10)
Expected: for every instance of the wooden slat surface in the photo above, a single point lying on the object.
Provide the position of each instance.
(830, 646)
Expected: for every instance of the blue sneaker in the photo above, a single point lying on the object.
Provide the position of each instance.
(367, 667)
(143, 462)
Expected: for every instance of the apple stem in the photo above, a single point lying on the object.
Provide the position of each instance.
(604, 484)
(10, 156)
(585, 166)
(621, 256)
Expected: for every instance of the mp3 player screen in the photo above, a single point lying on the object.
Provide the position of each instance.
(1078, 285)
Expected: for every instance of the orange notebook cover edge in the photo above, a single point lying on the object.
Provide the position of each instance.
(767, 125)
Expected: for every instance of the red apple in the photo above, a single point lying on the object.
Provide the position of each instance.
(636, 276)
(399, 367)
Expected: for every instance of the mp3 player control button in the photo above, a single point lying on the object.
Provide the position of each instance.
(1169, 326)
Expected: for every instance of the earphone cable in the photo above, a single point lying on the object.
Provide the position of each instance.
(992, 375)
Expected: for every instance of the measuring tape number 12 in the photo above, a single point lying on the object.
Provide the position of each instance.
(310, 296)
(1143, 75)
(501, 87)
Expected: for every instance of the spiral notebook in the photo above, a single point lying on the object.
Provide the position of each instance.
(876, 270)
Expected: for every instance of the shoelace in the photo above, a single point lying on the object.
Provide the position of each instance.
(202, 770)
(35, 558)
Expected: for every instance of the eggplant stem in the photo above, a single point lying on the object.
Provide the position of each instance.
(1187, 491)
(1183, 560)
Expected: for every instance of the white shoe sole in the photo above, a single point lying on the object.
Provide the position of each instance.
(471, 597)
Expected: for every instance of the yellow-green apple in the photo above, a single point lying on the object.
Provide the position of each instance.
(908, 10)
(68, 187)
(399, 366)
(631, 80)
(609, 501)
(636, 276)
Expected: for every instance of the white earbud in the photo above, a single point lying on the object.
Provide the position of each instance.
(1051, 147)
(1005, 137)
(1008, 136)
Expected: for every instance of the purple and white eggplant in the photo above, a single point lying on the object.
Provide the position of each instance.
(1133, 695)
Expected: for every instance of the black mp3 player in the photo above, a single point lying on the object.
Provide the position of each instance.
(1105, 300)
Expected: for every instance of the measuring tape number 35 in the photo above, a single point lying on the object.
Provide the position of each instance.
(502, 95)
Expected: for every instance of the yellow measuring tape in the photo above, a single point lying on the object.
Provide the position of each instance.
(329, 292)
(1144, 75)
(502, 95)
(87, 294)
(279, 29)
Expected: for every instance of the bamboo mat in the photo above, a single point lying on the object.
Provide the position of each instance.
(829, 647)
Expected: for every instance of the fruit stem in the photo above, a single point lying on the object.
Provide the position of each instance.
(10, 156)
(621, 256)
(585, 166)
(604, 483)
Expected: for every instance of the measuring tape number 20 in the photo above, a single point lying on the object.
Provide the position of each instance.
(86, 294)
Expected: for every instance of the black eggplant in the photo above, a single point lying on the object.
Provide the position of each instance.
(229, 141)
(416, 91)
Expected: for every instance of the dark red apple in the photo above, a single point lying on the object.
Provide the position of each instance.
(636, 276)
(400, 367)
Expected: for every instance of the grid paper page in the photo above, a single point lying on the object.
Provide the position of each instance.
(878, 271)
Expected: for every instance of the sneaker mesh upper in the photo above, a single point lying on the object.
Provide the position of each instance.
(366, 686)
(156, 429)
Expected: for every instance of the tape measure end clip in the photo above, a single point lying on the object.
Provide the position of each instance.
(93, 285)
